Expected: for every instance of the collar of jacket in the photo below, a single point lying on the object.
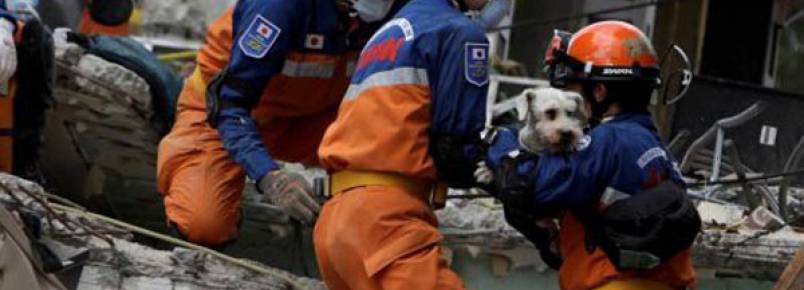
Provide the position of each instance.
(642, 118)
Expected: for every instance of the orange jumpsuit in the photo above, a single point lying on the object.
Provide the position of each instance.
(201, 181)
(422, 75)
(584, 270)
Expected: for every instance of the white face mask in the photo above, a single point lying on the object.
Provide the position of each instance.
(23, 9)
(20, 4)
(372, 10)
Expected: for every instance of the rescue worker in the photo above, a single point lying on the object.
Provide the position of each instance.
(620, 168)
(8, 67)
(107, 17)
(408, 127)
(25, 90)
(269, 81)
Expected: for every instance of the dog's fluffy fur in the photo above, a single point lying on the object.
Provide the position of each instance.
(555, 120)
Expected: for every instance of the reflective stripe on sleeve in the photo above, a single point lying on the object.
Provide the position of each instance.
(308, 69)
(398, 76)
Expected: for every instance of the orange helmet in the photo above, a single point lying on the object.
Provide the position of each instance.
(603, 51)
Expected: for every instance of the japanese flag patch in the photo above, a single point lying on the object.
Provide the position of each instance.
(259, 37)
(314, 41)
(477, 63)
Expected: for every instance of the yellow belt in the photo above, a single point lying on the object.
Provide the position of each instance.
(197, 81)
(341, 181)
(634, 284)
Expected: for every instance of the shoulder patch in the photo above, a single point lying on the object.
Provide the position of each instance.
(476, 66)
(650, 155)
(259, 37)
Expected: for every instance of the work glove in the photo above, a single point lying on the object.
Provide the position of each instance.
(539, 232)
(8, 51)
(291, 192)
(61, 34)
(497, 143)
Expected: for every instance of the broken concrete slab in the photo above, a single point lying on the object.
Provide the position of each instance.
(763, 219)
(720, 214)
(115, 262)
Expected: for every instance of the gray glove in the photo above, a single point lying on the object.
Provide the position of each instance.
(291, 192)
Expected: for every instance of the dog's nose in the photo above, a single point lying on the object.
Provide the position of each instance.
(566, 137)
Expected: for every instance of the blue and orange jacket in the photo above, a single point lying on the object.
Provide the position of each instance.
(621, 157)
(279, 59)
(424, 73)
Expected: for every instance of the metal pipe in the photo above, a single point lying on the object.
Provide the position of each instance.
(716, 160)
(792, 162)
(725, 123)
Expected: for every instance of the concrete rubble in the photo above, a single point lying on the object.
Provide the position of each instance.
(115, 261)
(186, 19)
(116, 76)
(731, 249)
(100, 134)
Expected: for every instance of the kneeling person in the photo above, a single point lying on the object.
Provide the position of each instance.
(269, 81)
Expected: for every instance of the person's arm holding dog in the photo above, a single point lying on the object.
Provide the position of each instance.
(553, 180)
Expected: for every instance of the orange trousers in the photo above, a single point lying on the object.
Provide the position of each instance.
(202, 184)
(380, 237)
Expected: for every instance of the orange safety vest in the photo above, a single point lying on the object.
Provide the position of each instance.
(7, 92)
(583, 270)
(89, 26)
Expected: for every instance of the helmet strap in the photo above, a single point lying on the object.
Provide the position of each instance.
(599, 109)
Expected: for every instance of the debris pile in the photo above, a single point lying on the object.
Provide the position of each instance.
(735, 243)
(101, 137)
(95, 253)
(186, 19)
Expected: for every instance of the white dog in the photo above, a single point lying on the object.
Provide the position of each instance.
(554, 120)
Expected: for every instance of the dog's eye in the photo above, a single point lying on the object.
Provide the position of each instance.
(551, 114)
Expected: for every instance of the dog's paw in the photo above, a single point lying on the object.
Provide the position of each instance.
(483, 174)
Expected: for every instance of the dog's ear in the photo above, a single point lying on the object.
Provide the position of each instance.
(580, 103)
(522, 105)
(529, 95)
